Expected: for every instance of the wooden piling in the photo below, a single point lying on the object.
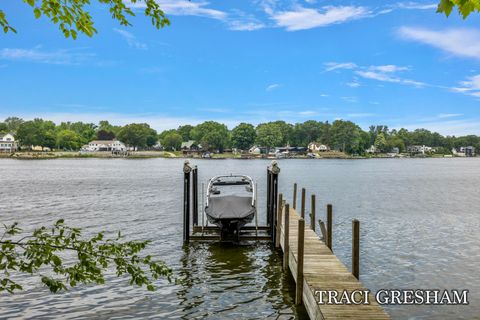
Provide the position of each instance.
(300, 257)
(312, 213)
(356, 248)
(279, 220)
(303, 204)
(286, 226)
(329, 226)
(294, 203)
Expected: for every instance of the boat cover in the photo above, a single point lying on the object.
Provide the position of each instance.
(230, 207)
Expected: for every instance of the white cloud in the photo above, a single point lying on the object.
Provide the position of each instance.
(186, 8)
(354, 83)
(388, 68)
(131, 39)
(330, 66)
(58, 57)
(302, 18)
(471, 86)
(447, 127)
(384, 73)
(272, 87)
(245, 25)
(449, 115)
(385, 77)
(458, 42)
(307, 113)
(416, 5)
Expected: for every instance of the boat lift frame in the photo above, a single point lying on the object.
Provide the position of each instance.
(212, 233)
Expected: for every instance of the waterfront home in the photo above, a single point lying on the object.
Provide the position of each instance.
(7, 143)
(317, 146)
(291, 150)
(190, 145)
(416, 149)
(464, 151)
(105, 145)
(372, 150)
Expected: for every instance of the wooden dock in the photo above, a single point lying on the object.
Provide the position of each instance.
(321, 271)
(308, 258)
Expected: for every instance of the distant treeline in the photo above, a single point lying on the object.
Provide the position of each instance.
(339, 135)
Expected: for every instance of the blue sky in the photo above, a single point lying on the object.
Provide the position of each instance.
(372, 62)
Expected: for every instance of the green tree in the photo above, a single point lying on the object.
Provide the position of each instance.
(43, 252)
(380, 142)
(105, 135)
(184, 131)
(172, 141)
(346, 136)
(3, 128)
(211, 135)
(68, 140)
(36, 132)
(269, 135)
(138, 135)
(13, 123)
(72, 16)
(304, 133)
(243, 136)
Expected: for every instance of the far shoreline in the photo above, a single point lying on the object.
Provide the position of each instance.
(39, 155)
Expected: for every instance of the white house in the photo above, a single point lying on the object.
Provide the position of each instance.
(315, 146)
(7, 143)
(420, 149)
(372, 149)
(105, 145)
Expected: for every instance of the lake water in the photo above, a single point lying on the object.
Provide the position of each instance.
(420, 222)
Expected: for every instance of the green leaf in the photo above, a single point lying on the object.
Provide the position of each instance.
(37, 13)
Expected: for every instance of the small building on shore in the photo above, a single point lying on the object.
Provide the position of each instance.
(464, 151)
(317, 146)
(7, 143)
(417, 149)
(105, 145)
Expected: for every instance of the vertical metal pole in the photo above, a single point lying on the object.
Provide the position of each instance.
(279, 221)
(356, 248)
(300, 251)
(186, 207)
(268, 196)
(273, 215)
(329, 226)
(286, 224)
(294, 204)
(312, 214)
(203, 206)
(303, 204)
(195, 196)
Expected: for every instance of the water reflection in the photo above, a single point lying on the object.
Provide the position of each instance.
(221, 280)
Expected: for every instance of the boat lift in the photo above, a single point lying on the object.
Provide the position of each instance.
(201, 231)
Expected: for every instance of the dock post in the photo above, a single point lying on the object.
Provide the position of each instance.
(312, 214)
(279, 220)
(274, 170)
(329, 226)
(323, 230)
(356, 248)
(195, 195)
(300, 251)
(286, 225)
(302, 208)
(186, 201)
(269, 186)
(294, 203)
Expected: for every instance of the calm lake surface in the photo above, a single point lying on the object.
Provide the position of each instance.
(420, 223)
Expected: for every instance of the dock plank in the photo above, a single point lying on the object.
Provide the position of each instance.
(324, 271)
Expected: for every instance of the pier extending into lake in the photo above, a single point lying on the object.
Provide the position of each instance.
(308, 257)
(314, 267)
